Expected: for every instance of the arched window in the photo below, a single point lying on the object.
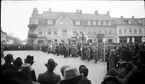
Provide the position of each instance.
(140, 31)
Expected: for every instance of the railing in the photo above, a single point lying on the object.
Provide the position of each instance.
(32, 35)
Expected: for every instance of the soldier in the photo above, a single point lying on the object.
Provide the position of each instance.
(95, 52)
(88, 52)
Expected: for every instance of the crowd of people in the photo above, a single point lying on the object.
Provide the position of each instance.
(125, 64)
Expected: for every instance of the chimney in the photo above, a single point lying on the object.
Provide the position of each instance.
(77, 11)
(121, 16)
(80, 11)
(49, 9)
(96, 12)
(132, 16)
(108, 13)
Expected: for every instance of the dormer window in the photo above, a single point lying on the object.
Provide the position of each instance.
(89, 22)
(99, 22)
(78, 22)
(104, 22)
(109, 22)
(129, 22)
(94, 22)
(49, 22)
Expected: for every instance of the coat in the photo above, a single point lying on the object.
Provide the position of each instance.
(48, 78)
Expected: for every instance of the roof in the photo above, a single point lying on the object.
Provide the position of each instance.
(119, 21)
(75, 16)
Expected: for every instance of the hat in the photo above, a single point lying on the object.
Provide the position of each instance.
(83, 69)
(9, 58)
(71, 75)
(51, 63)
(63, 68)
(25, 68)
(29, 59)
(18, 61)
(113, 73)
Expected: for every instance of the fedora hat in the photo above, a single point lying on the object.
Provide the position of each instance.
(9, 58)
(18, 61)
(113, 73)
(63, 68)
(51, 63)
(71, 75)
(29, 59)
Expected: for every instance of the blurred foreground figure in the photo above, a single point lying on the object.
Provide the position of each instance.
(49, 77)
(84, 71)
(71, 76)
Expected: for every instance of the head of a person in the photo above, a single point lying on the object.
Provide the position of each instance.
(124, 68)
(51, 64)
(71, 76)
(83, 70)
(18, 62)
(9, 58)
(25, 69)
(63, 68)
(29, 59)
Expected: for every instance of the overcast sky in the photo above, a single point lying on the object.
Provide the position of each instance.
(15, 14)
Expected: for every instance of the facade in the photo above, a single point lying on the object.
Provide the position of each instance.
(3, 37)
(49, 26)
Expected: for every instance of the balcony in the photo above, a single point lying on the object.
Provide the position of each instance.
(33, 26)
(32, 35)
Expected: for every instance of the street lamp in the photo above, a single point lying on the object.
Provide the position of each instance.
(104, 40)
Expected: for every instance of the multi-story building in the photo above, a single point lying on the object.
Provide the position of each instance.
(3, 37)
(48, 26)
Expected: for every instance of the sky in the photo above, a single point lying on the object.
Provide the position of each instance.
(15, 14)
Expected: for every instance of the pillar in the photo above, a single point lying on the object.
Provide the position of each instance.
(118, 40)
(127, 40)
(133, 40)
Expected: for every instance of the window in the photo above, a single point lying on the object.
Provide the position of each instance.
(109, 22)
(99, 22)
(89, 22)
(125, 31)
(129, 22)
(94, 22)
(140, 31)
(64, 32)
(40, 33)
(49, 33)
(120, 31)
(40, 41)
(49, 22)
(110, 31)
(55, 32)
(77, 22)
(104, 22)
(130, 30)
(135, 31)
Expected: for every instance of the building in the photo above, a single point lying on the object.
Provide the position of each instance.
(48, 26)
(3, 37)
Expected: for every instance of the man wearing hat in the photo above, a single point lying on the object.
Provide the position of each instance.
(30, 60)
(49, 77)
(71, 76)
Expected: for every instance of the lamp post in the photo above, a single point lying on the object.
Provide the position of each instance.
(104, 40)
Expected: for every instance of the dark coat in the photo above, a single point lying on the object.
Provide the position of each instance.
(48, 78)
(112, 59)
